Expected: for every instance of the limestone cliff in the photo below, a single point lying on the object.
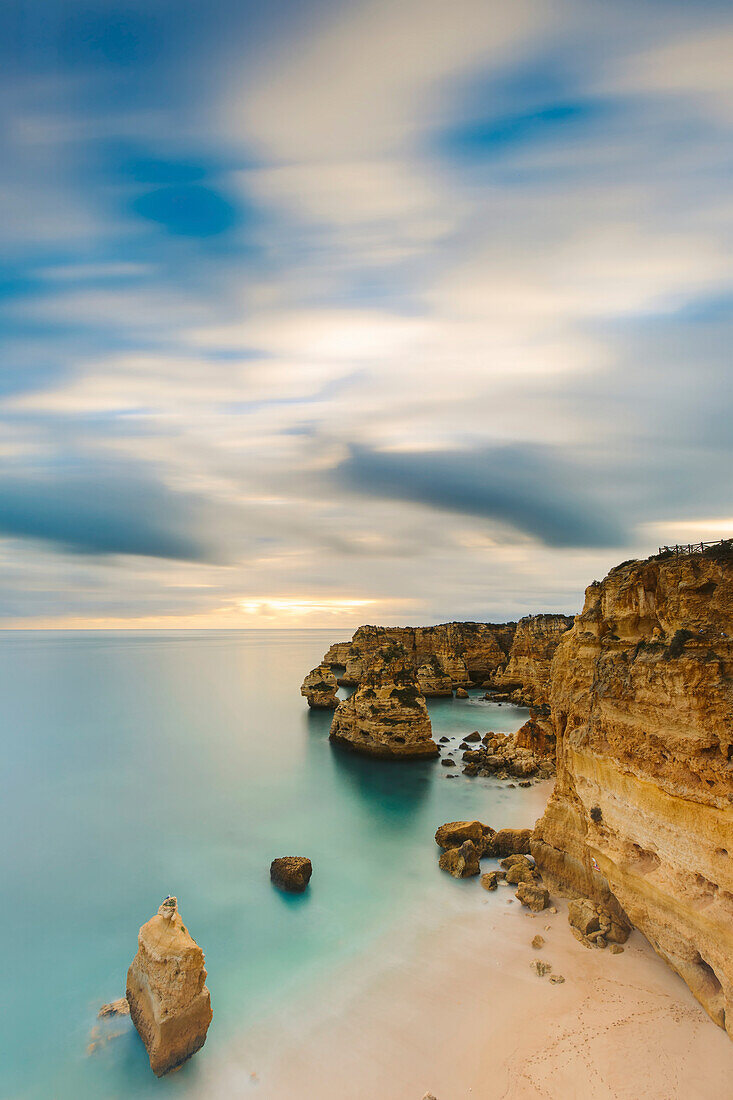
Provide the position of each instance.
(641, 819)
(468, 652)
(169, 1002)
(386, 716)
(433, 679)
(528, 670)
(319, 688)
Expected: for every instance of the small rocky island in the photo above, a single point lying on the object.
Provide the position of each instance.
(386, 716)
(319, 688)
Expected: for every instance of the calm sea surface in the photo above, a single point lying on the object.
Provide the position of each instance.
(141, 764)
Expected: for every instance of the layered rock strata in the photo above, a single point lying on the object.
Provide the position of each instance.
(526, 676)
(468, 652)
(433, 679)
(386, 716)
(169, 1002)
(319, 688)
(641, 819)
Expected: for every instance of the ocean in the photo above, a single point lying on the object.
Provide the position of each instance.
(141, 764)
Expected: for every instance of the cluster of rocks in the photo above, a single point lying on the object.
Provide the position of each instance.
(465, 843)
(499, 754)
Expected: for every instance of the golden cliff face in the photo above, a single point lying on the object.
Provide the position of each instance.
(528, 669)
(468, 652)
(642, 814)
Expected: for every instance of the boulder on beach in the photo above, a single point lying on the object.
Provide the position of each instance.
(461, 693)
(521, 872)
(507, 842)
(461, 862)
(169, 1003)
(594, 922)
(292, 873)
(533, 896)
(453, 833)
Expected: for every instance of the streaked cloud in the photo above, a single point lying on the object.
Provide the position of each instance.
(418, 308)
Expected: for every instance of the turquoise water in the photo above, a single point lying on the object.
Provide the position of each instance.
(142, 764)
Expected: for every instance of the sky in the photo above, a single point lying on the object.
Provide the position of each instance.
(317, 313)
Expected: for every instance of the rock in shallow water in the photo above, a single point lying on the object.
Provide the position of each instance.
(453, 833)
(114, 1008)
(508, 842)
(291, 873)
(169, 1002)
(461, 862)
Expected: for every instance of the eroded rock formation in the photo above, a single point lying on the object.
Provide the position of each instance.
(527, 673)
(386, 716)
(641, 820)
(319, 688)
(433, 679)
(467, 652)
(169, 1002)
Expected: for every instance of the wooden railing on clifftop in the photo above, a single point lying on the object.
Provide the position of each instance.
(683, 549)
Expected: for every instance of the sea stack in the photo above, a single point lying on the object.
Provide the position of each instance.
(641, 819)
(386, 716)
(169, 1002)
(319, 688)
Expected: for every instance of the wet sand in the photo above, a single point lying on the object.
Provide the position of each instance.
(450, 1005)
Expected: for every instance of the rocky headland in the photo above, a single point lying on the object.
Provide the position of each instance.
(633, 703)
(641, 818)
(386, 716)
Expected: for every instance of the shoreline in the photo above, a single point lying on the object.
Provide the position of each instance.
(447, 1003)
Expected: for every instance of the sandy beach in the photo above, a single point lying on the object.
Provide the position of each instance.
(450, 1005)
